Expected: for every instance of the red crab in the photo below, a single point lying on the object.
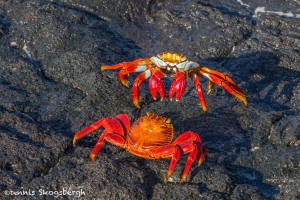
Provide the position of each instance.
(180, 68)
(149, 137)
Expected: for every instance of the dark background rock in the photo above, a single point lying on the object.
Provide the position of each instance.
(51, 86)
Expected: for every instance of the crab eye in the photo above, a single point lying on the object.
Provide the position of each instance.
(158, 62)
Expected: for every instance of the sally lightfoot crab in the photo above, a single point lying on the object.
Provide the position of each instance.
(177, 65)
(149, 137)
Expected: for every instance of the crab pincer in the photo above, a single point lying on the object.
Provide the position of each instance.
(178, 86)
(157, 85)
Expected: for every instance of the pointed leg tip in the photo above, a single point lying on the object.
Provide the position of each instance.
(182, 180)
(93, 157)
(137, 106)
(136, 103)
(166, 179)
(244, 100)
(204, 109)
(103, 68)
(200, 162)
(74, 142)
(125, 83)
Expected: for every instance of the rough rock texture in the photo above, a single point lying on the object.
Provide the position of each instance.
(51, 86)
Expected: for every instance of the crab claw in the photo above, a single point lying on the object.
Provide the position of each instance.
(178, 85)
(156, 85)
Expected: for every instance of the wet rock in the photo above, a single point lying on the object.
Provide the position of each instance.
(51, 86)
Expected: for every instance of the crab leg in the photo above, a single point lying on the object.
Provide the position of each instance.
(112, 138)
(109, 124)
(138, 65)
(192, 157)
(224, 81)
(156, 84)
(202, 154)
(188, 142)
(200, 92)
(167, 152)
(211, 86)
(190, 136)
(135, 89)
(96, 125)
(124, 121)
(178, 86)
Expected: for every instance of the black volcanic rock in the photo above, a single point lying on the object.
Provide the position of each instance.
(51, 86)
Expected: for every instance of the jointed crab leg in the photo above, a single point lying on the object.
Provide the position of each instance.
(124, 119)
(211, 85)
(115, 130)
(87, 131)
(135, 89)
(138, 65)
(200, 92)
(202, 154)
(224, 81)
(109, 124)
(192, 157)
(169, 151)
(188, 142)
(190, 136)
(112, 138)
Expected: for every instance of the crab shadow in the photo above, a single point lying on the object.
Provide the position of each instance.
(265, 80)
(225, 142)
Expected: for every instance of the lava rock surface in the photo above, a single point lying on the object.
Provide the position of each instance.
(51, 86)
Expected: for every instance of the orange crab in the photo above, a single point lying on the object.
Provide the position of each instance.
(149, 137)
(180, 68)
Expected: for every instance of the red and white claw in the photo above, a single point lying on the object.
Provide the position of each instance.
(157, 85)
(178, 86)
